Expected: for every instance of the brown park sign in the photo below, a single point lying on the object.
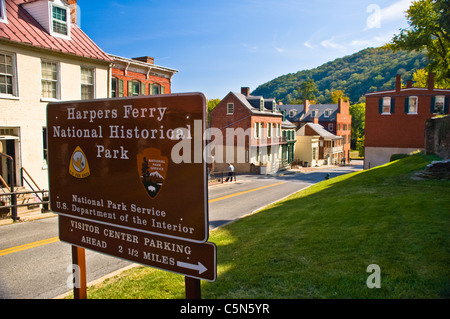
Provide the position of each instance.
(132, 163)
(197, 260)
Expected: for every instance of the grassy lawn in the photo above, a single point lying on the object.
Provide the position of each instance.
(319, 242)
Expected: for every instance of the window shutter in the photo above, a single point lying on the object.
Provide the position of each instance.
(380, 105)
(446, 104)
(150, 89)
(163, 90)
(433, 102)
(142, 88)
(392, 105)
(120, 88)
(130, 88)
(406, 105)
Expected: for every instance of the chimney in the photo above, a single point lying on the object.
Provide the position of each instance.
(431, 81)
(340, 101)
(398, 82)
(315, 120)
(245, 91)
(146, 59)
(73, 10)
(409, 84)
(305, 106)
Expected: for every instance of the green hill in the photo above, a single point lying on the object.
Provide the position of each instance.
(369, 70)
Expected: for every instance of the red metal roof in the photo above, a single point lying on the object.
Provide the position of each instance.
(24, 29)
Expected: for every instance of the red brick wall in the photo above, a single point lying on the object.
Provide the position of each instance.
(241, 117)
(343, 125)
(398, 129)
(142, 78)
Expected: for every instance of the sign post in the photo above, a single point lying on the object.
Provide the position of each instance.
(192, 287)
(127, 178)
(79, 261)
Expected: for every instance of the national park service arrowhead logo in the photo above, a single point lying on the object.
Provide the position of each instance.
(152, 168)
(79, 166)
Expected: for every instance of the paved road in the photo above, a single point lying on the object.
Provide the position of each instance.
(33, 262)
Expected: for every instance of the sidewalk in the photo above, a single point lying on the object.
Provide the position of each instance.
(32, 214)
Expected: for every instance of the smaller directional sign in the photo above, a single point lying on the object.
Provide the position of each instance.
(197, 260)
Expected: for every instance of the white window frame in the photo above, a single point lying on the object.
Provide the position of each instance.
(67, 22)
(314, 113)
(441, 111)
(83, 84)
(292, 112)
(57, 81)
(256, 130)
(386, 104)
(416, 111)
(3, 17)
(230, 108)
(15, 91)
(330, 126)
(327, 113)
(269, 130)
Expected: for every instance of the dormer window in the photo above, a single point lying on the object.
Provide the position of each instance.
(3, 12)
(261, 104)
(314, 113)
(59, 20)
(327, 113)
(54, 16)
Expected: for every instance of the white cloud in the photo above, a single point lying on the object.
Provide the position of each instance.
(331, 44)
(252, 48)
(279, 50)
(395, 11)
(308, 45)
(375, 41)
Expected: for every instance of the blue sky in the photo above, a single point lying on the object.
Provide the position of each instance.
(219, 46)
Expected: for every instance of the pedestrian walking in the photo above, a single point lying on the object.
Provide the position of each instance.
(230, 172)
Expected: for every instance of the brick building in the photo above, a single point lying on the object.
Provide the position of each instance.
(139, 76)
(250, 129)
(395, 119)
(335, 118)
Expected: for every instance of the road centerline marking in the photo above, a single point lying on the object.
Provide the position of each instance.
(28, 246)
(243, 192)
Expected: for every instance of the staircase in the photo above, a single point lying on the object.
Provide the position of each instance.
(27, 200)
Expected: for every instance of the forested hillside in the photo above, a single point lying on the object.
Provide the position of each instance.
(369, 70)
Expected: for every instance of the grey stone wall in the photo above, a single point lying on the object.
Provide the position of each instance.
(437, 136)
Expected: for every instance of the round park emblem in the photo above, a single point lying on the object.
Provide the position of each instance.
(79, 166)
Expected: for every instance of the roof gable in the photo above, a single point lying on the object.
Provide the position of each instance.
(252, 103)
(295, 112)
(320, 130)
(22, 28)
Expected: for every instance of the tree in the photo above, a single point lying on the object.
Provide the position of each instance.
(212, 104)
(420, 79)
(358, 113)
(336, 95)
(307, 90)
(429, 28)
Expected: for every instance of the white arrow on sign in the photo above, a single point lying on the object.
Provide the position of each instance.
(201, 269)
